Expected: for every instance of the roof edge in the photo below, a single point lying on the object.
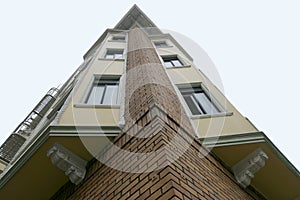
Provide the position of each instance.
(248, 138)
(126, 16)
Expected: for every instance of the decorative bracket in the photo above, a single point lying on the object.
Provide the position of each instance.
(245, 169)
(67, 161)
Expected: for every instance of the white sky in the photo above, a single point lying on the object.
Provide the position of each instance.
(254, 44)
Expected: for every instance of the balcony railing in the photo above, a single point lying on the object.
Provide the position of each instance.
(14, 142)
(35, 116)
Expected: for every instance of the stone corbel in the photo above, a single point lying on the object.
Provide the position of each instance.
(67, 161)
(245, 169)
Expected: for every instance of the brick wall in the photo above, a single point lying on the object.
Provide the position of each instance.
(157, 155)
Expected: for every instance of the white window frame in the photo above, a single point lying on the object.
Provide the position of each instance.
(104, 82)
(114, 54)
(187, 90)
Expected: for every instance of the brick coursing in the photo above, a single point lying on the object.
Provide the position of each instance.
(161, 143)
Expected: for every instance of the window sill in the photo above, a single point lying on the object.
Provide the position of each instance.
(110, 59)
(162, 47)
(221, 114)
(179, 67)
(121, 41)
(83, 105)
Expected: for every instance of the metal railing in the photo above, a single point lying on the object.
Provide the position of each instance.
(14, 142)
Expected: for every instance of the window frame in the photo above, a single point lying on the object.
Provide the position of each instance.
(114, 55)
(113, 38)
(161, 41)
(172, 59)
(105, 81)
(192, 89)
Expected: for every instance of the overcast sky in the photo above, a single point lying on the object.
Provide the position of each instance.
(254, 44)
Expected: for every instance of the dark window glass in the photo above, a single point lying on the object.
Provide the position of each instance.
(172, 61)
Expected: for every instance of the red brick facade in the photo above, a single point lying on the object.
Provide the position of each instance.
(158, 156)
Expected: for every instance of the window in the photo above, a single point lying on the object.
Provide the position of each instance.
(114, 54)
(198, 101)
(119, 37)
(160, 44)
(172, 61)
(104, 91)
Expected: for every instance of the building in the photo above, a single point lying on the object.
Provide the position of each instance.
(137, 119)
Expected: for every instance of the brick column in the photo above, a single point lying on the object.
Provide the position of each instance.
(147, 83)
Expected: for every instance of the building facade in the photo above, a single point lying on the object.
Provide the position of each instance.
(138, 120)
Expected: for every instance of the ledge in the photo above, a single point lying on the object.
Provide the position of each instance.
(121, 41)
(179, 67)
(62, 131)
(109, 59)
(163, 47)
(221, 114)
(83, 105)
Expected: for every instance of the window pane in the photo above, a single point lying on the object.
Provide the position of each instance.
(176, 63)
(109, 56)
(160, 44)
(111, 95)
(96, 95)
(172, 61)
(168, 64)
(118, 56)
(118, 38)
(114, 53)
(205, 103)
(192, 104)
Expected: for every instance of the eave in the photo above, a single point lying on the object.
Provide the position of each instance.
(33, 171)
(134, 15)
(278, 179)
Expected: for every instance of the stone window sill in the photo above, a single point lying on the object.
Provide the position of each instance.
(83, 105)
(221, 114)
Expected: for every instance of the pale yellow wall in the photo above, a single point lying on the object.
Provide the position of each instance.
(210, 126)
(173, 50)
(77, 112)
(90, 116)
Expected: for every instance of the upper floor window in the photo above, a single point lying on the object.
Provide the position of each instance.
(198, 101)
(171, 61)
(160, 44)
(104, 91)
(118, 38)
(114, 54)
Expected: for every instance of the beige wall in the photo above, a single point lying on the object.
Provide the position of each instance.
(77, 112)
(231, 122)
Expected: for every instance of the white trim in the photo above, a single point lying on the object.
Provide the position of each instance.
(184, 66)
(122, 88)
(109, 59)
(221, 114)
(83, 105)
